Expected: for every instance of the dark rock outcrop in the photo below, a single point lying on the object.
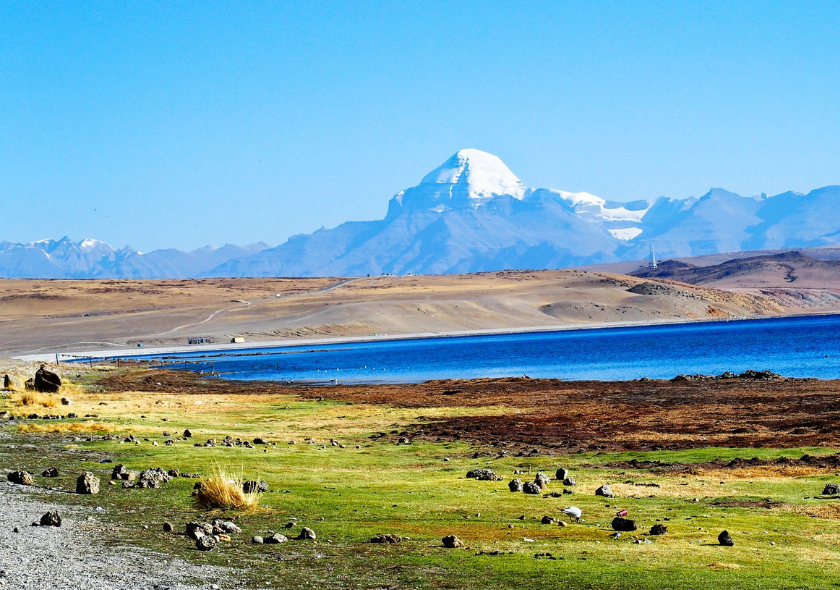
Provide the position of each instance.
(23, 478)
(624, 525)
(452, 542)
(46, 381)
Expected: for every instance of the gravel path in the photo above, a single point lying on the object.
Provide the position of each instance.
(69, 557)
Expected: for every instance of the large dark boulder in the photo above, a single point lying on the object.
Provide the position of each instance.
(51, 518)
(831, 489)
(624, 525)
(725, 540)
(46, 381)
(21, 477)
(452, 542)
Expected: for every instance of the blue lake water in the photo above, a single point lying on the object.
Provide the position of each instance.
(795, 347)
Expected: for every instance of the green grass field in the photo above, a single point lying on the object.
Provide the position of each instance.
(347, 495)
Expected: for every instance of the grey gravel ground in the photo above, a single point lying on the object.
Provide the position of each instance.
(71, 558)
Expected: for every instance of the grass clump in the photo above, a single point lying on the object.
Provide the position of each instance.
(224, 490)
(35, 398)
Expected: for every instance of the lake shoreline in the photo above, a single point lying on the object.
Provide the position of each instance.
(223, 348)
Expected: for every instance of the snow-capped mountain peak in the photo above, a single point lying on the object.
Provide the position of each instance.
(468, 179)
(90, 244)
(481, 175)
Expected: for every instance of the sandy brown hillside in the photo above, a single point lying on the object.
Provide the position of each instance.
(38, 316)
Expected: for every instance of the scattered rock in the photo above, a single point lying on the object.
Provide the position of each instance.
(275, 539)
(46, 381)
(118, 470)
(725, 540)
(257, 540)
(226, 526)
(196, 530)
(623, 524)
(87, 483)
(254, 486)
(187, 434)
(152, 478)
(12, 383)
(604, 491)
(167, 527)
(23, 478)
(452, 542)
(569, 481)
(260, 441)
(50, 472)
(205, 543)
(388, 538)
(484, 475)
(658, 529)
(530, 487)
(831, 489)
(306, 534)
(561, 474)
(51, 518)
(515, 485)
(548, 520)
(542, 480)
(66, 401)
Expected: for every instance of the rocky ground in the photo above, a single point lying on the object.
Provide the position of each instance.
(74, 556)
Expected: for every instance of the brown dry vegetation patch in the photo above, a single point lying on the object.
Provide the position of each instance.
(74, 427)
(560, 416)
(827, 511)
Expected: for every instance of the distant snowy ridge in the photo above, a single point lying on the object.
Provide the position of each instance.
(472, 213)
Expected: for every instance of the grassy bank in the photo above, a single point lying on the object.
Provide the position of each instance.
(372, 485)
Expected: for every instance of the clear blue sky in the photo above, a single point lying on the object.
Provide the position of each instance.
(178, 124)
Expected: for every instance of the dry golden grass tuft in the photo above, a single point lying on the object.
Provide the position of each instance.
(224, 490)
(34, 398)
(722, 566)
(762, 472)
(827, 511)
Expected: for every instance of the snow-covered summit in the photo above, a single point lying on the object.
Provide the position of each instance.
(468, 179)
(478, 174)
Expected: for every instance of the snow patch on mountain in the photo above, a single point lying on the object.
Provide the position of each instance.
(625, 234)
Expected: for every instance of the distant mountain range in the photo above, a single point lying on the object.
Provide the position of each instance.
(92, 259)
(473, 214)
